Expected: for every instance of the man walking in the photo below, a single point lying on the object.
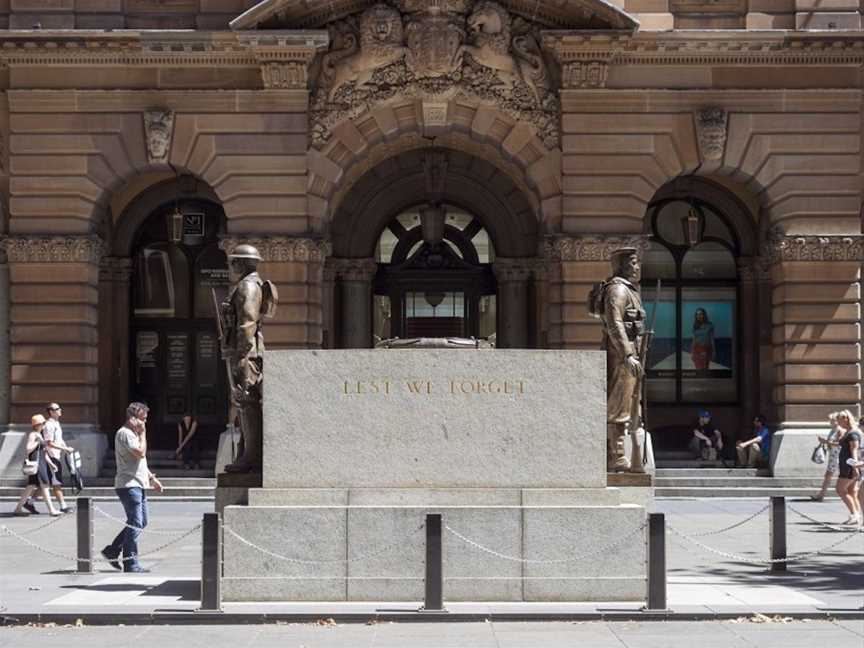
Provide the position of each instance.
(53, 434)
(131, 482)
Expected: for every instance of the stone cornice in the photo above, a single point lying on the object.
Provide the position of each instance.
(783, 248)
(591, 247)
(518, 268)
(180, 49)
(282, 249)
(359, 269)
(52, 249)
(706, 48)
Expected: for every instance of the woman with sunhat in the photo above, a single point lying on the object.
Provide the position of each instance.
(45, 470)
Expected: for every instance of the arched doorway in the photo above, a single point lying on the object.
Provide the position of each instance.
(434, 242)
(174, 355)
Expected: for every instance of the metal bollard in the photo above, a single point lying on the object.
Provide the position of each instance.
(211, 567)
(656, 562)
(778, 533)
(434, 597)
(84, 523)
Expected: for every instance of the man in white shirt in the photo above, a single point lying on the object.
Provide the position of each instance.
(131, 482)
(53, 435)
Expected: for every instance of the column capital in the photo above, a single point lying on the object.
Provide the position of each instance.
(517, 268)
(52, 249)
(753, 269)
(362, 269)
(116, 269)
(590, 247)
(281, 249)
(790, 247)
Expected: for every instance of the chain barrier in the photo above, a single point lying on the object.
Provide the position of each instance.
(53, 520)
(731, 526)
(555, 561)
(759, 561)
(850, 529)
(302, 561)
(92, 561)
(147, 530)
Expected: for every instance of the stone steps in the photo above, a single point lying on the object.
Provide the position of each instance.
(176, 488)
(737, 492)
(730, 482)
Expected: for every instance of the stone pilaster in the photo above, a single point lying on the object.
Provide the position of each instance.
(114, 276)
(4, 339)
(574, 264)
(354, 279)
(53, 325)
(816, 317)
(514, 276)
(295, 265)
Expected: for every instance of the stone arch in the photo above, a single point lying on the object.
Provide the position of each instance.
(398, 183)
(358, 145)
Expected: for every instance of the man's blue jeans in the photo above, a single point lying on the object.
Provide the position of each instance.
(134, 501)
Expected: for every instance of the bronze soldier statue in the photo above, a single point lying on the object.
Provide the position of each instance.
(249, 301)
(623, 327)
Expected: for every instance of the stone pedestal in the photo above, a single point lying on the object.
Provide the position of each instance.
(509, 445)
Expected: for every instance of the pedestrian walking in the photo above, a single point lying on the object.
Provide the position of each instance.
(848, 476)
(131, 483)
(56, 448)
(43, 477)
(832, 467)
(756, 448)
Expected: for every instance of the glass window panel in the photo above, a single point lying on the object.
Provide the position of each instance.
(662, 367)
(434, 314)
(409, 219)
(715, 227)
(483, 245)
(386, 244)
(658, 262)
(671, 222)
(211, 274)
(709, 260)
(161, 282)
(457, 218)
(708, 344)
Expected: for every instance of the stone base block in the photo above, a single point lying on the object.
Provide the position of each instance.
(369, 545)
(232, 489)
(86, 439)
(791, 450)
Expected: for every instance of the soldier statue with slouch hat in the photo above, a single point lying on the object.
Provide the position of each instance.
(249, 301)
(617, 303)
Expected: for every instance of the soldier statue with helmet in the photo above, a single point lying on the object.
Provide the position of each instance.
(617, 303)
(240, 317)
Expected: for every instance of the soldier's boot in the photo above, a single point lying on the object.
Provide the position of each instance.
(250, 459)
(616, 458)
(637, 445)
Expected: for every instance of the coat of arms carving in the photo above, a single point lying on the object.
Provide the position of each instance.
(435, 50)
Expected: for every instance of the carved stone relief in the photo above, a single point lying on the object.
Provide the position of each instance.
(711, 129)
(435, 52)
(591, 247)
(158, 130)
(282, 249)
(52, 249)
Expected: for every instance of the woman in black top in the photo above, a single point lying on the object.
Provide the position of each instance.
(188, 443)
(847, 480)
(46, 470)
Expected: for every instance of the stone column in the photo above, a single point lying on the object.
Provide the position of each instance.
(513, 276)
(4, 339)
(53, 329)
(296, 265)
(749, 341)
(574, 264)
(114, 276)
(355, 296)
(816, 336)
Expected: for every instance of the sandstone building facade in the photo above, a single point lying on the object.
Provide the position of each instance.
(430, 167)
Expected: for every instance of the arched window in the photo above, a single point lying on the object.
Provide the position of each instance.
(424, 290)
(694, 356)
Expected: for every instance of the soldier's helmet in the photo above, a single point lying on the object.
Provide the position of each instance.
(245, 251)
(621, 255)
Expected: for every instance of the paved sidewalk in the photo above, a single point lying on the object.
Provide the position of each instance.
(40, 585)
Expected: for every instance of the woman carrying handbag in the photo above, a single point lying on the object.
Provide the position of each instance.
(43, 475)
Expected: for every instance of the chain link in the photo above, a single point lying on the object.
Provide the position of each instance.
(93, 561)
(759, 561)
(302, 561)
(731, 526)
(556, 561)
(53, 520)
(824, 524)
(147, 530)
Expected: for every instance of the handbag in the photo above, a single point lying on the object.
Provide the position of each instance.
(30, 468)
(819, 454)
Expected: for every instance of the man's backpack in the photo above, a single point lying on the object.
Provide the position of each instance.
(596, 299)
(269, 299)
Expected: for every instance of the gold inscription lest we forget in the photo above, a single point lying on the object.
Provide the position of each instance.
(429, 387)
